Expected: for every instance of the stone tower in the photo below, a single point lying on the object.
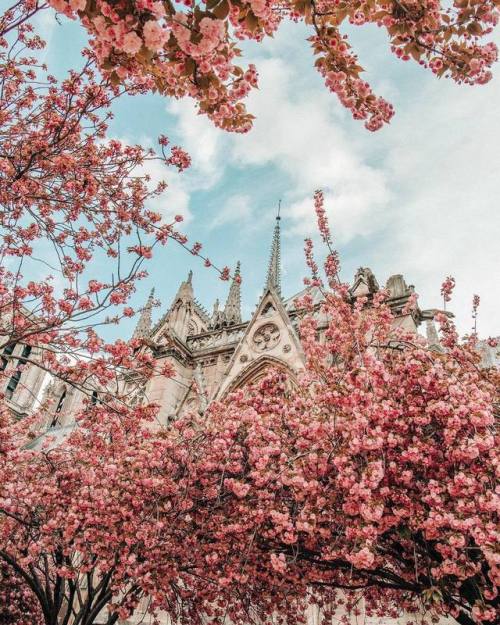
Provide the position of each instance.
(143, 327)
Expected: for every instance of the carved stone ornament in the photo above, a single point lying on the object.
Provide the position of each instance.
(268, 309)
(243, 358)
(266, 337)
(287, 348)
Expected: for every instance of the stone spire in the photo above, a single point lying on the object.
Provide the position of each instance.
(218, 318)
(274, 270)
(143, 327)
(182, 307)
(232, 309)
(185, 291)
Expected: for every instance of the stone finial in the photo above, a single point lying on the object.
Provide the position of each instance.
(364, 283)
(397, 287)
(185, 292)
(143, 327)
(218, 318)
(431, 333)
(232, 309)
(399, 294)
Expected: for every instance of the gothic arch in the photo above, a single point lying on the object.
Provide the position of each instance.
(257, 370)
(192, 328)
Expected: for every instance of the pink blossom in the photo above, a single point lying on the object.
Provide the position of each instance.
(362, 559)
(154, 35)
(78, 5)
(132, 43)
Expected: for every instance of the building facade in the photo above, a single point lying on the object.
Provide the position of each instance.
(212, 354)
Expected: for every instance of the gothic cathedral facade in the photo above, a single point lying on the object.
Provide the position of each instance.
(212, 355)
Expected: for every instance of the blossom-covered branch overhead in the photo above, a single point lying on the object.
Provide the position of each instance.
(190, 47)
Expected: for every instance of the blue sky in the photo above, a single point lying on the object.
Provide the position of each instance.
(419, 197)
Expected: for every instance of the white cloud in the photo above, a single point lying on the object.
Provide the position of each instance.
(296, 132)
(236, 209)
(444, 158)
(421, 194)
(201, 140)
(45, 22)
(175, 200)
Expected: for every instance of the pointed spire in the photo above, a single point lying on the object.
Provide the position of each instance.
(143, 327)
(274, 270)
(185, 291)
(232, 309)
(217, 318)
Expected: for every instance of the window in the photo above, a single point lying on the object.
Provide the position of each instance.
(12, 385)
(7, 352)
(61, 402)
(14, 380)
(25, 355)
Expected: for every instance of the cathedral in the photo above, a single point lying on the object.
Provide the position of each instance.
(213, 354)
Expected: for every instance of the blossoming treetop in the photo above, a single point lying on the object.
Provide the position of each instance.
(189, 47)
(370, 477)
(76, 222)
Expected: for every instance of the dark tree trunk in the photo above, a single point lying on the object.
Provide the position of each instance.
(464, 619)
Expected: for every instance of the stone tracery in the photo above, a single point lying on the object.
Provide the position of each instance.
(266, 337)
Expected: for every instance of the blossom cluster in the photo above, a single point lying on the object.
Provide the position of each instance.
(370, 474)
(189, 47)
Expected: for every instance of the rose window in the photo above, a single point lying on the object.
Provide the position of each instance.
(266, 337)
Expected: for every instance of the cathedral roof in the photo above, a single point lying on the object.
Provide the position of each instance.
(226, 326)
(314, 291)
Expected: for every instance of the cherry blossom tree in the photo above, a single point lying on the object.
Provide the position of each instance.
(190, 47)
(81, 521)
(368, 485)
(72, 202)
(365, 485)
